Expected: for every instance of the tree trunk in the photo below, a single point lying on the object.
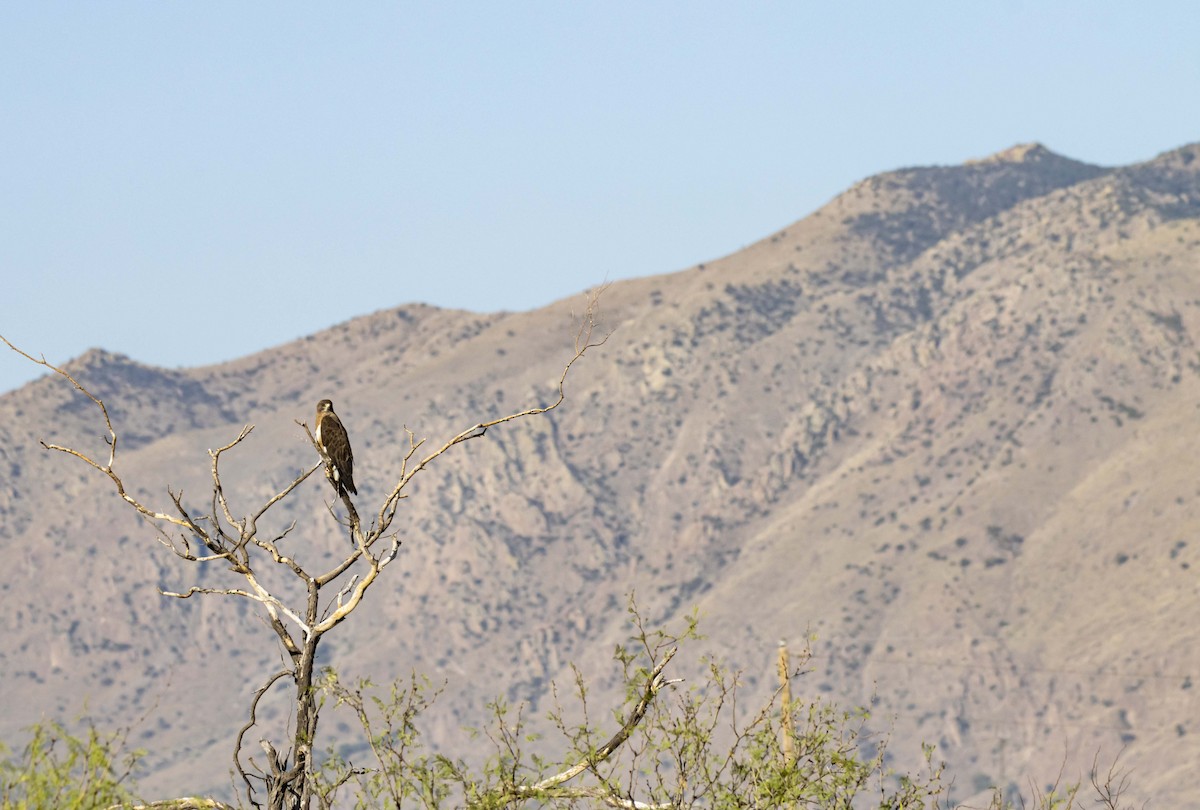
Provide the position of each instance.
(291, 788)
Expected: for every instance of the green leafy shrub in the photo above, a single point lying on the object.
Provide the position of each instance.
(57, 770)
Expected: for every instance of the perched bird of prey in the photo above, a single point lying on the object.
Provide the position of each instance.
(332, 438)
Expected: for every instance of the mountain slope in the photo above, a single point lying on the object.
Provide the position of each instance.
(943, 422)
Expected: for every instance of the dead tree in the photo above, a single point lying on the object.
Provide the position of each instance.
(235, 543)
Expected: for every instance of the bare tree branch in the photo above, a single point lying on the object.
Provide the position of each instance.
(1114, 785)
(112, 434)
(237, 748)
(218, 490)
(283, 493)
(654, 682)
(549, 787)
(186, 803)
(107, 469)
(265, 598)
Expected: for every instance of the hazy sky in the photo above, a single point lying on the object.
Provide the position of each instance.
(190, 182)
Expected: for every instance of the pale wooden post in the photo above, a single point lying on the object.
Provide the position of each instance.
(785, 688)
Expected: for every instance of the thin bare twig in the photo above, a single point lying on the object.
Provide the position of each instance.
(112, 434)
(107, 469)
(218, 490)
(283, 493)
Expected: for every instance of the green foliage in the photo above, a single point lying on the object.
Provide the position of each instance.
(59, 771)
(401, 772)
(676, 745)
(671, 744)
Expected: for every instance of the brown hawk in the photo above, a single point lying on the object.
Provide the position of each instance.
(331, 437)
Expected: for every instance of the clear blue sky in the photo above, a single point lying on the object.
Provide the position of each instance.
(190, 182)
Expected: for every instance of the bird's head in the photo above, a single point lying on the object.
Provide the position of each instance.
(325, 406)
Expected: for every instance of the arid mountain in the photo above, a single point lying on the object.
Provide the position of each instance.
(945, 423)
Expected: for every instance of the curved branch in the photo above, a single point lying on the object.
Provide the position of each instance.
(654, 682)
(112, 434)
(218, 490)
(111, 440)
(549, 787)
(237, 747)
